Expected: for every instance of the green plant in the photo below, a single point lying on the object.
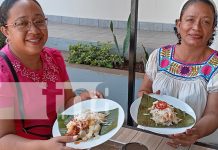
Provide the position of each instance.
(2, 40)
(94, 54)
(145, 57)
(126, 39)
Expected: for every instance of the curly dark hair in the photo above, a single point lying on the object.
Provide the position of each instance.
(185, 6)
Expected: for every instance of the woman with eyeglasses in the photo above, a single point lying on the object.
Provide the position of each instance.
(25, 27)
(188, 70)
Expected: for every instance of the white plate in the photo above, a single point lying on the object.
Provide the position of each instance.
(95, 105)
(172, 101)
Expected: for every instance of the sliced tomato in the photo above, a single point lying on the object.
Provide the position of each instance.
(161, 105)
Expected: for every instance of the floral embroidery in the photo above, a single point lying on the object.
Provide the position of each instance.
(174, 68)
(49, 71)
(214, 60)
(184, 70)
(164, 63)
(206, 70)
(167, 47)
(2, 69)
(194, 71)
(165, 51)
(178, 69)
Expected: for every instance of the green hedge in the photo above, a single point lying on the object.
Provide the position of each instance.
(98, 54)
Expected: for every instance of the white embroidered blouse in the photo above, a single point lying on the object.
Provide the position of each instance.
(190, 83)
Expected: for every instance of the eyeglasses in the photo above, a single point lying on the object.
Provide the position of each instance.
(24, 25)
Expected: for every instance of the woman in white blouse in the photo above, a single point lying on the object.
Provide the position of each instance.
(188, 70)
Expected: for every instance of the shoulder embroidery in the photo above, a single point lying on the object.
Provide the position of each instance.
(214, 60)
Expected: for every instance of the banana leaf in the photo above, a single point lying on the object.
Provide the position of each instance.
(144, 117)
(112, 120)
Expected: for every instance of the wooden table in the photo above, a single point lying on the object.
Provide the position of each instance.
(153, 142)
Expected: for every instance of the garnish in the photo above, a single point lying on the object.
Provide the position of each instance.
(161, 105)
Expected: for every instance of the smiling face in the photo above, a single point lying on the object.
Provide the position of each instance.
(196, 25)
(26, 41)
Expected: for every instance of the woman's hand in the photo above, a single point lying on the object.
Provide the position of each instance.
(144, 92)
(87, 95)
(146, 86)
(91, 94)
(184, 139)
(201, 128)
(58, 143)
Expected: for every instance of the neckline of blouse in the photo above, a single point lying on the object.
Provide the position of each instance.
(185, 63)
(20, 62)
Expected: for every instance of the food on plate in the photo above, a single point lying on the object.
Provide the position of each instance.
(163, 113)
(157, 113)
(86, 125)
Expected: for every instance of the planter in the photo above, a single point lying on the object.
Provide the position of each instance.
(105, 70)
(65, 54)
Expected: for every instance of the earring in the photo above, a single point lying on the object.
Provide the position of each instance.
(210, 41)
(6, 41)
(179, 38)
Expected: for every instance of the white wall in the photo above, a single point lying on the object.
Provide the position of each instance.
(162, 11)
(159, 11)
(94, 9)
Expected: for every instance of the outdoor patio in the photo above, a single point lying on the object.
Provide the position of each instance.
(113, 83)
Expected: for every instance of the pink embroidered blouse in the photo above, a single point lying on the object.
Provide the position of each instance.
(40, 103)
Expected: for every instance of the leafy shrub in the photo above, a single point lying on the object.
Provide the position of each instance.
(126, 41)
(2, 40)
(94, 54)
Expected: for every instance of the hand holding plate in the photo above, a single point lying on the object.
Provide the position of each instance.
(58, 143)
(185, 139)
(91, 94)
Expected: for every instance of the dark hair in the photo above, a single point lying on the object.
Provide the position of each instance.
(5, 7)
(186, 5)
